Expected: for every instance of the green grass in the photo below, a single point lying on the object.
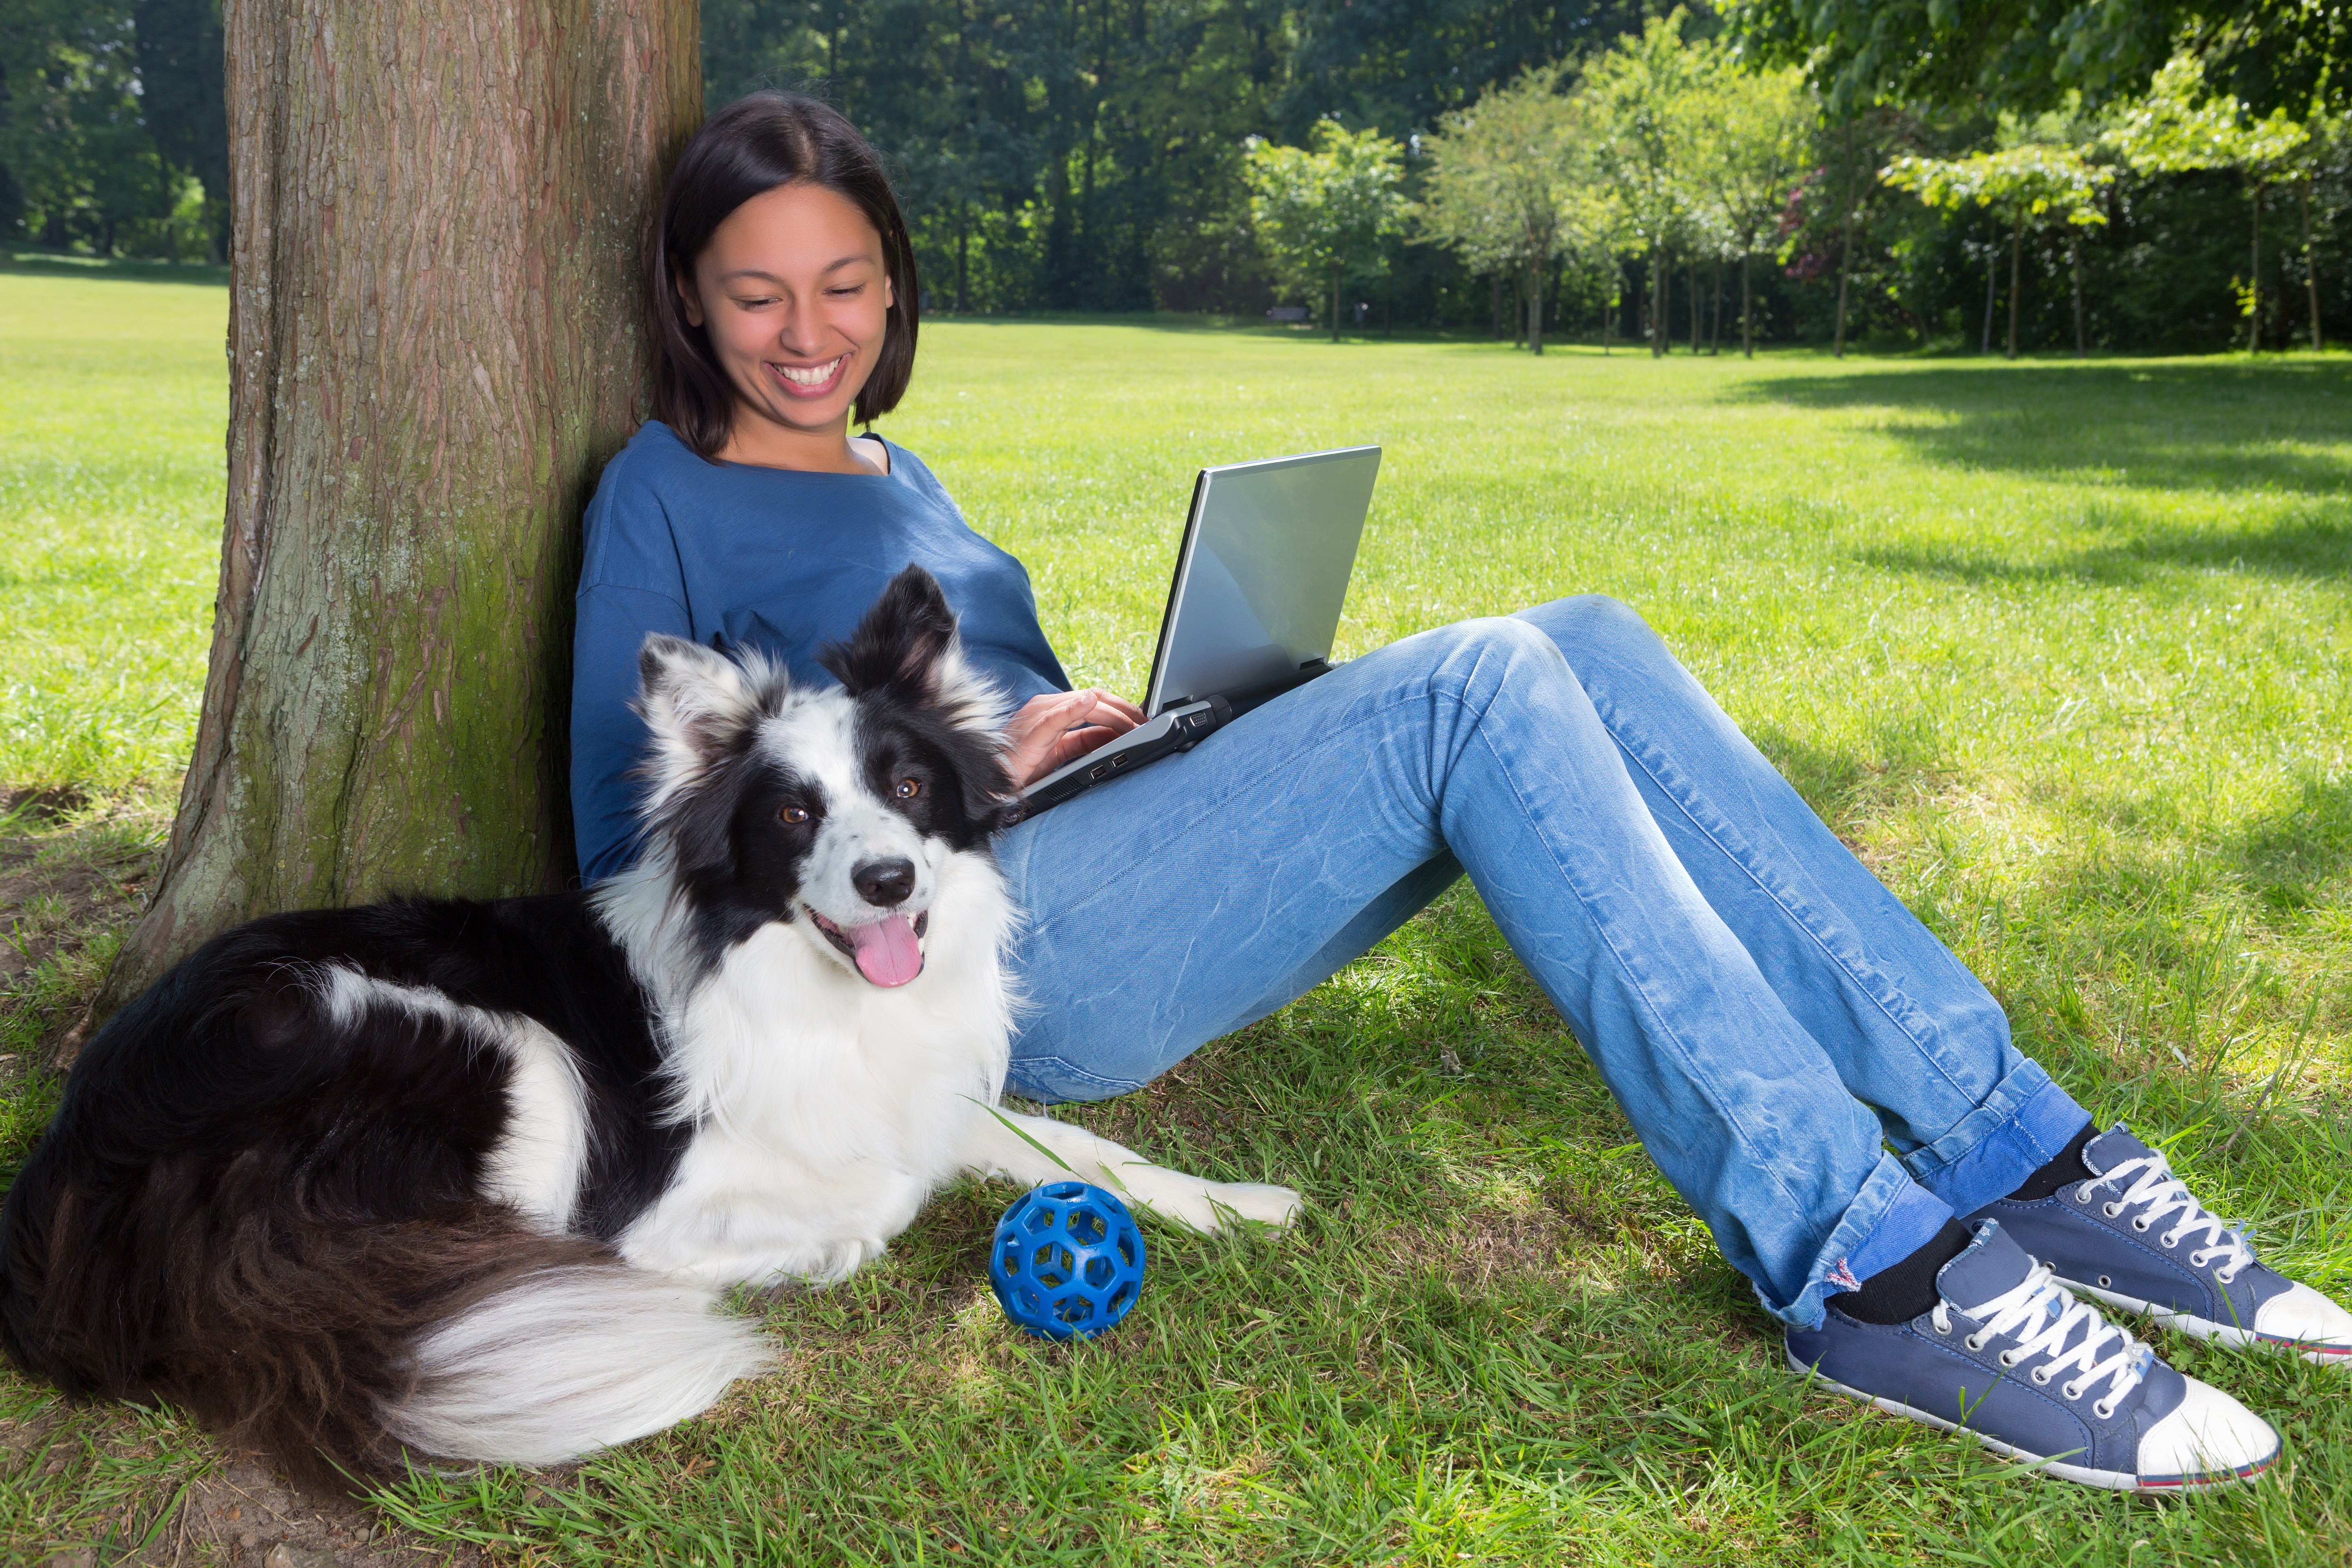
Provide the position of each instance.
(113, 397)
(2063, 649)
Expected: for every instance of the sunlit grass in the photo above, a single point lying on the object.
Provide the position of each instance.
(2063, 649)
(114, 395)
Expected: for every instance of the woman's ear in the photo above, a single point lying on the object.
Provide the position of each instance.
(689, 297)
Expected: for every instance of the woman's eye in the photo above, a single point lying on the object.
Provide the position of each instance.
(793, 815)
(908, 789)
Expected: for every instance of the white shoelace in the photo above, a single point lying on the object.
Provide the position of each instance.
(2043, 1314)
(2165, 1194)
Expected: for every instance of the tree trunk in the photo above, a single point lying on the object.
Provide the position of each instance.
(1662, 275)
(1992, 276)
(1845, 250)
(1611, 302)
(1534, 307)
(1334, 304)
(963, 261)
(1691, 272)
(2310, 266)
(1496, 316)
(1746, 309)
(1715, 316)
(436, 339)
(2255, 283)
(2075, 264)
(2016, 262)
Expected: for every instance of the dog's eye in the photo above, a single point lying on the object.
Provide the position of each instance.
(793, 815)
(908, 789)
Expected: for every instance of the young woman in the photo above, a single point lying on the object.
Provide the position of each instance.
(1770, 1017)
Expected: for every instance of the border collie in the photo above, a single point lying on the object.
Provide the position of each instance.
(466, 1178)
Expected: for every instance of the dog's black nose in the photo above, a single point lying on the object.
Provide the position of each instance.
(885, 882)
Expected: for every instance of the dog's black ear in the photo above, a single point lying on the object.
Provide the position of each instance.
(906, 650)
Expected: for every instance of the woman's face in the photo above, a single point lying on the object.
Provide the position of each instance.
(794, 295)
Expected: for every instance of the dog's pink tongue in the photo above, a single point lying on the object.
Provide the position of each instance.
(887, 953)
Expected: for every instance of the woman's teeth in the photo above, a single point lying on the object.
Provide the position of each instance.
(816, 375)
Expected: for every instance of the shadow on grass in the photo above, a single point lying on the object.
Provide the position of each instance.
(2316, 542)
(2207, 426)
(46, 264)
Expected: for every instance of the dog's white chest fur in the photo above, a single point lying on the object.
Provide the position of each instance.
(826, 1111)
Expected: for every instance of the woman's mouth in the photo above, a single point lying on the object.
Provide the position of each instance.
(808, 379)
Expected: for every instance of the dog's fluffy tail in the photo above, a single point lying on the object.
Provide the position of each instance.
(569, 1357)
(332, 1344)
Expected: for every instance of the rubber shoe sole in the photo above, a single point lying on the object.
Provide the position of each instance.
(2198, 1327)
(2044, 1466)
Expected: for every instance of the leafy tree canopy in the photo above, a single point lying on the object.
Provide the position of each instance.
(2029, 53)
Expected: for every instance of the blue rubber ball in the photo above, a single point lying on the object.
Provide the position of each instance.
(1067, 1261)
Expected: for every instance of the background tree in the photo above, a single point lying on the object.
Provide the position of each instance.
(1507, 182)
(2030, 55)
(439, 214)
(1324, 210)
(1763, 126)
(1635, 96)
(2021, 183)
(2180, 127)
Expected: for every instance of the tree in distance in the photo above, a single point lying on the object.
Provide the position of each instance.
(2028, 180)
(1508, 186)
(1323, 212)
(2030, 55)
(1644, 143)
(2180, 127)
(1756, 130)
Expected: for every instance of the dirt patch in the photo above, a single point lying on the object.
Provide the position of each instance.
(74, 874)
(247, 1516)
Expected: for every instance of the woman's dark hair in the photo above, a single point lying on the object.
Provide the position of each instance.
(753, 145)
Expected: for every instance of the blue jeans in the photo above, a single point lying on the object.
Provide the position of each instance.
(1769, 1017)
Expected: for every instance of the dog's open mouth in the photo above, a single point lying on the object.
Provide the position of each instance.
(888, 952)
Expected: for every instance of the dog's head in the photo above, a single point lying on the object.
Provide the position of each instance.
(834, 812)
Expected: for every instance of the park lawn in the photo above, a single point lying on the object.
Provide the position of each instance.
(2062, 649)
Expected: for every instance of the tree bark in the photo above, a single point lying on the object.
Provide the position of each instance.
(1715, 316)
(1662, 275)
(1534, 307)
(1334, 304)
(2254, 282)
(1690, 271)
(2016, 264)
(1992, 277)
(2310, 266)
(1747, 311)
(436, 339)
(2074, 265)
(1845, 251)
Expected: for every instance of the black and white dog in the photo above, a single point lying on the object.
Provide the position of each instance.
(466, 1178)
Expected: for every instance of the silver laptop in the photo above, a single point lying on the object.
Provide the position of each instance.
(1252, 606)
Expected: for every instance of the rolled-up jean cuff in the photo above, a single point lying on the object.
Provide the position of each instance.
(1888, 1220)
(2021, 1126)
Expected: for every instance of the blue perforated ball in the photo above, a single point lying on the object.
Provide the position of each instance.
(1067, 1260)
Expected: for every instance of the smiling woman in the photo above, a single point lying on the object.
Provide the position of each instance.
(780, 265)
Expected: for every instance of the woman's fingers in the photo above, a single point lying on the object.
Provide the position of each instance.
(1051, 730)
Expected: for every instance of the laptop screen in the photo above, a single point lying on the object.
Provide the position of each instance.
(1263, 574)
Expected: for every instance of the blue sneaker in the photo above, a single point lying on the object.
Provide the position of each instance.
(2135, 1238)
(2011, 1357)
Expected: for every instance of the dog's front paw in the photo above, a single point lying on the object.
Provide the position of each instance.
(1256, 1201)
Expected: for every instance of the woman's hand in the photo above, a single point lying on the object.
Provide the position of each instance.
(1059, 726)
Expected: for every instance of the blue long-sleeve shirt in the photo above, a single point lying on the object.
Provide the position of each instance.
(732, 556)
